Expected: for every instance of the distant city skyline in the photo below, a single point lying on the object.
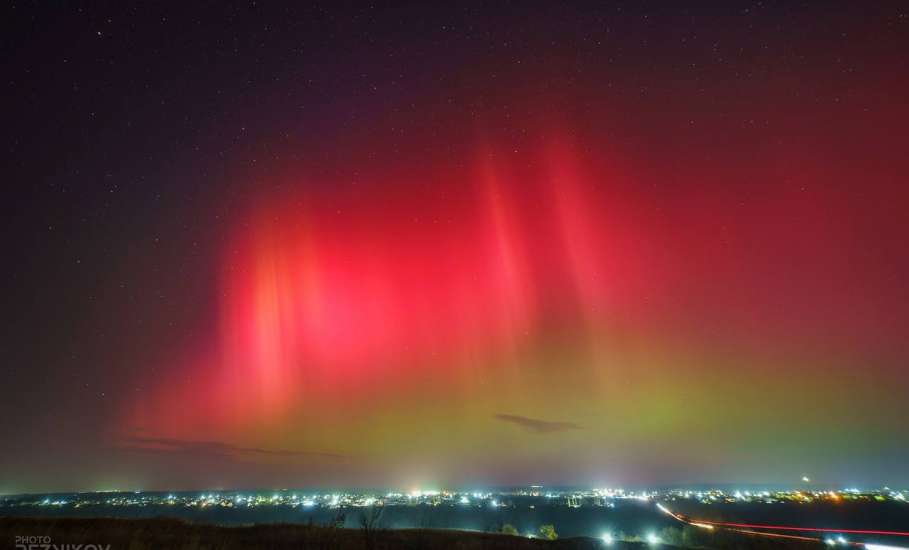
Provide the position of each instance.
(656, 516)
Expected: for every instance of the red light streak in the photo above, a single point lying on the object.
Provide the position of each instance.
(740, 527)
(811, 529)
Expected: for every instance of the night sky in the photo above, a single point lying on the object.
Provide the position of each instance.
(420, 246)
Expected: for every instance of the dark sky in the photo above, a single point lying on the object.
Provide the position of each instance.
(420, 245)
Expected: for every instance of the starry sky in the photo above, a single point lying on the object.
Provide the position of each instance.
(425, 246)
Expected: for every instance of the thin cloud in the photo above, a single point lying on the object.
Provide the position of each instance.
(211, 448)
(536, 425)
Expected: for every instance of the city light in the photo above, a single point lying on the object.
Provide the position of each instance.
(509, 500)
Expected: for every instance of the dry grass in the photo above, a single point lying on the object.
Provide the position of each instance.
(165, 533)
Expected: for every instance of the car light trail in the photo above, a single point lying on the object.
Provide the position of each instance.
(746, 528)
(807, 529)
(669, 512)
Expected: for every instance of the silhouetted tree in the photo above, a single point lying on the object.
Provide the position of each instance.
(369, 521)
(332, 534)
(548, 532)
